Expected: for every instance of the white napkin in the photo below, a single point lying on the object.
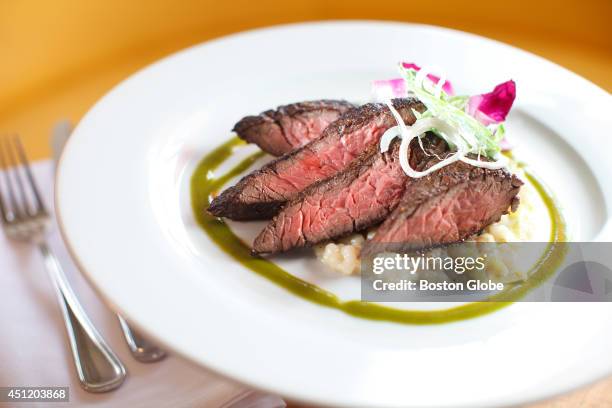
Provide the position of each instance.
(34, 349)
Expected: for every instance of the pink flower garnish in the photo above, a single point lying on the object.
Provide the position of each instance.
(492, 107)
(390, 88)
(447, 87)
(505, 144)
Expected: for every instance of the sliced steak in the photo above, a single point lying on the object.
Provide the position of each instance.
(446, 206)
(261, 194)
(360, 196)
(279, 131)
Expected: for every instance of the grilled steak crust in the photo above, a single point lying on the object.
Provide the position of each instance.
(445, 207)
(360, 196)
(261, 194)
(279, 131)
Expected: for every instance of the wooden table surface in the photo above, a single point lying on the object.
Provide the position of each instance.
(597, 395)
(60, 56)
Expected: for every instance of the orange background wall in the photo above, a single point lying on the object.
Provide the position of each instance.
(59, 56)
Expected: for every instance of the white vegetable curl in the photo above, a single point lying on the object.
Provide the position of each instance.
(419, 128)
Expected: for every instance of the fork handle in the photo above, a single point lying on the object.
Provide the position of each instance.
(98, 367)
(140, 347)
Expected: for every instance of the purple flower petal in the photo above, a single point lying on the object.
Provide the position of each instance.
(492, 107)
(390, 88)
(447, 87)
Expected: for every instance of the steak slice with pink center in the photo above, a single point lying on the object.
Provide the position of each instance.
(355, 199)
(445, 207)
(261, 194)
(281, 130)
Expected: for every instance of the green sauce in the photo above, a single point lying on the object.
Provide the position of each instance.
(204, 185)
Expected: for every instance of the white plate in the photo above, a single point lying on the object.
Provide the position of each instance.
(124, 208)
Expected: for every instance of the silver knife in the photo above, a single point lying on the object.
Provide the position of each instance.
(141, 349)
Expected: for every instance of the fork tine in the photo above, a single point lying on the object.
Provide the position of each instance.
(8, 213)
(40, 206)
(24, 208)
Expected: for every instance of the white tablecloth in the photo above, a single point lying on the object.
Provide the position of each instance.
(34, 349)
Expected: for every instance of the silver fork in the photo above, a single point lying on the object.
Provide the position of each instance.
(25, 218)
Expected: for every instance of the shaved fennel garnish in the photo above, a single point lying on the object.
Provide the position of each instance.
(419, 128)
(415, 131)
(388, 136)
(497, 164)
(469, 125)
(439, 104)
